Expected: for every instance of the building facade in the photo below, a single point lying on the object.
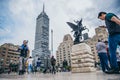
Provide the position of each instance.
(41, 47)
(8, 53)
(101, 34)
(64, 51)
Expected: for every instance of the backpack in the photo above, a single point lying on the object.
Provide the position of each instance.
(38, 63)
(53, 61)
(23, 51)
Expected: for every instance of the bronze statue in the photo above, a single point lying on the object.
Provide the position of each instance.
(77, 29)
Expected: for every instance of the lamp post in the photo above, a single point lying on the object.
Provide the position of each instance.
(51, 42)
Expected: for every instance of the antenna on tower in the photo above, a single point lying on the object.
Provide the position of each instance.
(43, 7)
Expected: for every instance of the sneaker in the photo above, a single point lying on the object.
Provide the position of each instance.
(112, 72)
(109, 72)
(116, 72)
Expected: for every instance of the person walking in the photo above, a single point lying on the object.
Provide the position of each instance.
(38, 64)
(65, 64)
(107, 49)
(30, 64)
(24, 53)
(102, 53)
(113, 26)
(53, 63)
(10, 67)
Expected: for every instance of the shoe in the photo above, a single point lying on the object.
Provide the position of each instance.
(116, 72)
(110, 72)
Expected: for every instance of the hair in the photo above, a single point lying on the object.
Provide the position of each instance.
(99, 40)
(100, 14)
(52, 56)
(25, 41)
(105, 41)
(117, 52)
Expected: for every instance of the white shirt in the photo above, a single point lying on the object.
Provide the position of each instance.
(30, 61)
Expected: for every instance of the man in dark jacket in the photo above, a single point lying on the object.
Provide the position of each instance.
(65, 64)
(53, 63)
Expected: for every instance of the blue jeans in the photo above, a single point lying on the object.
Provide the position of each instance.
(104, 61)
(113, 42)
(30, 68)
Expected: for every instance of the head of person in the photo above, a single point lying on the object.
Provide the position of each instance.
(38, 58)
(101, 15)
(30, 57)
(52, 56)
(99, 40)
(117, 53)
(25, 42)
(106, 42)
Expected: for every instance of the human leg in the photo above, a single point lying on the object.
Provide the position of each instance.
(102, 61)
(112, 50)
(106, 61)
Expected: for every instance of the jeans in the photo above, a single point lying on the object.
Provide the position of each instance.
(30, 68)
(53, 69)
(22, 62)
(104, 61)
(113, 42)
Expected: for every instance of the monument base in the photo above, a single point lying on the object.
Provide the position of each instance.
(82, 59)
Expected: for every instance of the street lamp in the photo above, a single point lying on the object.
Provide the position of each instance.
(51, 42)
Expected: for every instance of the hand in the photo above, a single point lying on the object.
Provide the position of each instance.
(102, 26)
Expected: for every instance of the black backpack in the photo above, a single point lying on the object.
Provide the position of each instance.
(24, 51)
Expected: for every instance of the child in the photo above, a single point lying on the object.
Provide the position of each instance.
(30, 64)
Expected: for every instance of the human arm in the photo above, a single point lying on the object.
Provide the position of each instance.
(102, 26)
(116, 20)
(112, 17)
(28, 53)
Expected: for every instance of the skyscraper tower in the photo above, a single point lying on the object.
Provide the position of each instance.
(41, 47)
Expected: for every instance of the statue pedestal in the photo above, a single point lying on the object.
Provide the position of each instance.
(82, 59)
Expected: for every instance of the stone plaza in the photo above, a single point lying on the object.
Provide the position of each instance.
(61, 76)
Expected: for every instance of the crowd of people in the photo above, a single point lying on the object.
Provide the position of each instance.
(32, 65)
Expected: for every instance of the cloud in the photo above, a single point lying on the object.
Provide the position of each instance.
(19, 17)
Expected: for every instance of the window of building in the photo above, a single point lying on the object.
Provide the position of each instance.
(8, 56)
(3, 52)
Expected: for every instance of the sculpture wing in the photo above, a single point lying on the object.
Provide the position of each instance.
(80, 22)
(73, 26)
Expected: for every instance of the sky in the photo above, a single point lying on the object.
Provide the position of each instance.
(18, 18)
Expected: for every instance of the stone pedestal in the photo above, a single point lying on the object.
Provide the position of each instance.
(82, 59)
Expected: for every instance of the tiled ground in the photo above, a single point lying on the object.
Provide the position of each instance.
(62, 76)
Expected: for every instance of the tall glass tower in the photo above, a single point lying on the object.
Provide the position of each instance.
(41, 47)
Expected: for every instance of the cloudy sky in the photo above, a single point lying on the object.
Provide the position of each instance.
(18, 17)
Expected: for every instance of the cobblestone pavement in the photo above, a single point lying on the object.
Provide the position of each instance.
(62, 76)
